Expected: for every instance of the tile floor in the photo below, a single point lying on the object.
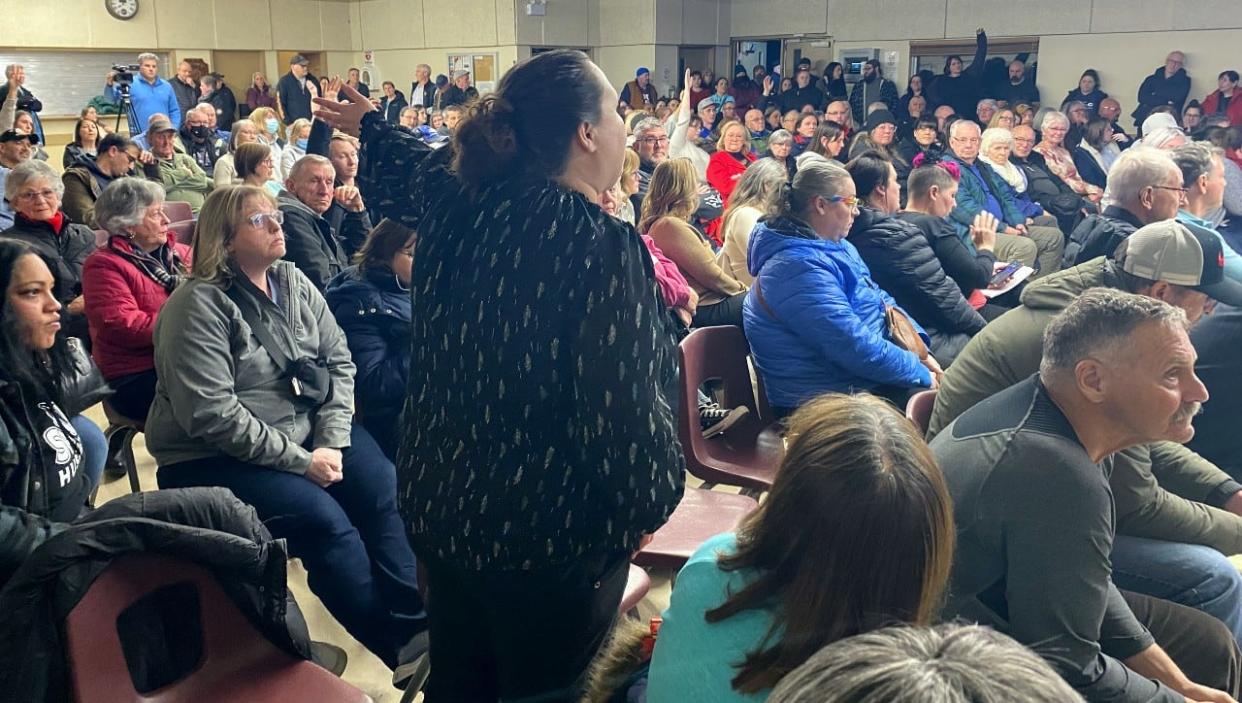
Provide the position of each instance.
(364, 671)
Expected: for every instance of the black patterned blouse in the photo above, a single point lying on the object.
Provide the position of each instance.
(539, 423)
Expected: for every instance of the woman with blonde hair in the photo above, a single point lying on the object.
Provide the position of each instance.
(1053, 128)
(756, 193)
(729, 162)
(1003, 119)
(627, 185)
(271, 134)
(255, 394)
(225, 171)
(856, 534)
(295, 145)
(672, 198)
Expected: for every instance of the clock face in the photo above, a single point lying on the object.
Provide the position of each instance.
(122, 9)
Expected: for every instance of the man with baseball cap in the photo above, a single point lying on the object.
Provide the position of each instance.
(183, 179)
(1171, 542)
(15, 148)
(639, 94)
(295, 90)
(460, 92)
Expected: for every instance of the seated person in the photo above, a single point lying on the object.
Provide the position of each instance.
(758, 188)
(901, 664)
(184, 180)
(923, 138)
(314, 245)
(230, 411)
(342, 151)
(86, 179)
(1145, 186)
(199, 140)
(125, 283)
(299, 138)
(1052, 147)
(1095, 154)
(1203, 176)
(672, 198)
(257, 167)
(904, 263)
(802, 571)
(932, 196)
(1218, 434)
(1032, 503)
(85, 144)
(34, 189)
(980, 189)
(815, 319)
(1170, 544)
(48, 470)
(1043, 186)
(225, 172)
(995, 147)
(371, 302)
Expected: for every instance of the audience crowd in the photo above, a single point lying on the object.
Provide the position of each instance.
(431, 339)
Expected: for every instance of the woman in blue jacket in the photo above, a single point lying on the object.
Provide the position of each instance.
(815, 319)
(371, 303)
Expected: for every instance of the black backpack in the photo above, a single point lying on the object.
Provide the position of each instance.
(1096, 235)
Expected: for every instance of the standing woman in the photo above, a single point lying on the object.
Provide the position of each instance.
(539, 442)
(1088, 92)
(730, 160)
(672, 197)
(959, 85)
(834, 82)
(259, 94)
(914, 89)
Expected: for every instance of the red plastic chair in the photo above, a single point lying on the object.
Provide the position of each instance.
(238, 663)
(177, 211)
(700, 515)
(919, 409)
(749, 453)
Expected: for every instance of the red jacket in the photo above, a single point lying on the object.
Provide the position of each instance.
(121, 305)
(1235, 106)
(723, 172)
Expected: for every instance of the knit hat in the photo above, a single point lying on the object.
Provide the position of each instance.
(878, 118)
(643, 71)
(1172, 252)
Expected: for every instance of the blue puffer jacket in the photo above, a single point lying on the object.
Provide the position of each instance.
(820, 326)
(374, 312)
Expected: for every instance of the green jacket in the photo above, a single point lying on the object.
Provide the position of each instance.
(972, 198)
(184, 181)
(1163, 490)
(219, 390)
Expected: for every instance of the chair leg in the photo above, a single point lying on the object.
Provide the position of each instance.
(131, 464)
(114, 468)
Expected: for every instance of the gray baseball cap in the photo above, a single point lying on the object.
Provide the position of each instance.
(1172, 252)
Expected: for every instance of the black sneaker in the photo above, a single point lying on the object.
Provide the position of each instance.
(413, 664)
(714, 420)
(329, 656)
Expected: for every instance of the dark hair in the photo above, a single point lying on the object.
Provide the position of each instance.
(528, 123)
(926, 122)
(120, 141)
(827, 131)
(921, 180)
(1094, 76)
(1231, 74)
(857, 533)
(869, 171)
(38, 372)
(247, 157)
(384, 241)
(1094, 133)
(77, 133)
(949, 59)
(831, 68)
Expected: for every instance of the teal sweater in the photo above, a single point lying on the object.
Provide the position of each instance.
(695, 660)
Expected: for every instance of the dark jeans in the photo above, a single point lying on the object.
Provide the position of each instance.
(348, 536)
(94, 447)
(519, 635)
(1200, 644)
(726, 312)
(134, 393)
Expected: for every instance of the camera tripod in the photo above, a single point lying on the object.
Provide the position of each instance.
(126, 108)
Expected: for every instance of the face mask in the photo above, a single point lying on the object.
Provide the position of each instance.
(200, 132)
(301, 144)
(272, 125)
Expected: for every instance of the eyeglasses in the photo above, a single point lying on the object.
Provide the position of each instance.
(1181, 192)
(1023, 141)
(848, 201)
(259, 220)
(34, 195)
(653, 141)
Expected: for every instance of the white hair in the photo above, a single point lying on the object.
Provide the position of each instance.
(1165, 138)
(986, 101)
(148, 56)
(961, 124)
(1137, 168)
(995, 135)
(1053, 116)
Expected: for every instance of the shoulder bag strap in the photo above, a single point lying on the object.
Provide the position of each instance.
(250, 313)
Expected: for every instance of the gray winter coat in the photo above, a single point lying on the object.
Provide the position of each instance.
(221, 392)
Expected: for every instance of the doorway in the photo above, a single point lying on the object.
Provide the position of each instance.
(316, 67)
(818, 50)
(238, 67)
(695, 58)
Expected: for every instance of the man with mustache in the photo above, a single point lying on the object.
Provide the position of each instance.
(1173, 535)
(1028, 472)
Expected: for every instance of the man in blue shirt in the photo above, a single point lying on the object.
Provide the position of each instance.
(1203, 178)
(149, 94)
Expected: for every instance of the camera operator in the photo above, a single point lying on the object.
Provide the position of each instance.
(148, 94)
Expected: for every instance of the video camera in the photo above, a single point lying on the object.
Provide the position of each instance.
(123, 74)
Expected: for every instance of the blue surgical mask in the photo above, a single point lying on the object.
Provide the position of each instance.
(272, 125)
(301, 144)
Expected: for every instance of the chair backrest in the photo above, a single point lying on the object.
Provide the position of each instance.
(184, 231)
(747, 454)
(178, 211)
(93, 644)
(919, 409)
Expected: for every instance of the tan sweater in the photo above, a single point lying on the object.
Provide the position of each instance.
(684, 246)
(737, 229)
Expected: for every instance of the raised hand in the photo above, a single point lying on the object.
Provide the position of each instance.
(346, 117)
